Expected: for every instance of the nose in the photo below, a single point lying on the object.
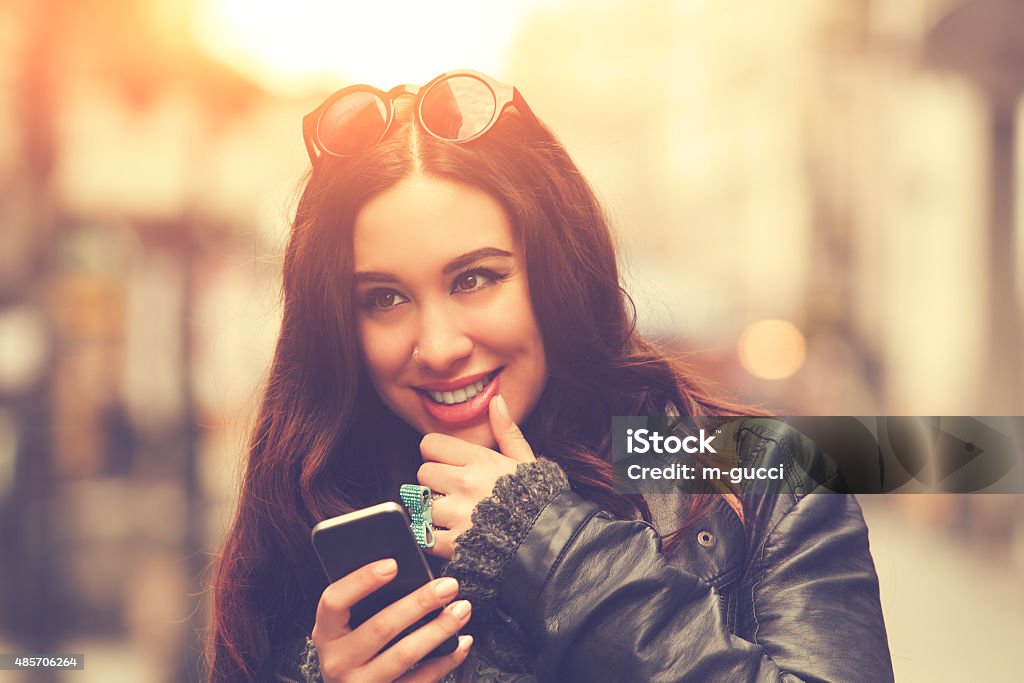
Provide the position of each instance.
(443, 342)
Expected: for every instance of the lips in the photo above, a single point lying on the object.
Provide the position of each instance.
(452, 405)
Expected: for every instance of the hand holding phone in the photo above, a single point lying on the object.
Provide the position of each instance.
(383, 612)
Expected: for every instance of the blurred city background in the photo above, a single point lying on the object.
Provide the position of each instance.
(817, 197)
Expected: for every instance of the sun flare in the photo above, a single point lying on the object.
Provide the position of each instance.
(306, 45)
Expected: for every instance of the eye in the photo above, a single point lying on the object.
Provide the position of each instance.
(382, 299)
(474, 280)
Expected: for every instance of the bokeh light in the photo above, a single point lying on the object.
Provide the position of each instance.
(772, 349)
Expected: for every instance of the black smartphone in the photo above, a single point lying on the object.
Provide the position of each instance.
(348, 542)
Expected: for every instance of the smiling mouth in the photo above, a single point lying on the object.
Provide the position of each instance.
(451, 398)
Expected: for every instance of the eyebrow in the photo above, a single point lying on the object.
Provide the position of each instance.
(456, 263)
(460, 262)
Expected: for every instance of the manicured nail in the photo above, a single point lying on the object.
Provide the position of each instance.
(446, 587)
(386, 567)
(502, 407)
(461, 609)
(465, 642)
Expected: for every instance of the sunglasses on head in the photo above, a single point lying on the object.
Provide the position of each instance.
(457, 106)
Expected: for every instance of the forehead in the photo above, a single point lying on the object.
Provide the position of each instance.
(423, 222)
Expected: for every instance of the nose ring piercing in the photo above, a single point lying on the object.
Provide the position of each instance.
(416, 357)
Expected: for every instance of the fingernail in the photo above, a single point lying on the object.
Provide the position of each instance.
(386, 567)
(461, 609)
(465, 642)
(446, 587)
(502, 407)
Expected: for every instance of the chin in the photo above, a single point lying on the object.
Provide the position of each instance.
(479, 434)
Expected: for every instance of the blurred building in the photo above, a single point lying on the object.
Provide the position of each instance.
(136, 228)
(820, 163)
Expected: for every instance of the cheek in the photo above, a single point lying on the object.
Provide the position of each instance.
(521, 317)
(506, 324)
(382, 352)
(522, 342)
(514, 329)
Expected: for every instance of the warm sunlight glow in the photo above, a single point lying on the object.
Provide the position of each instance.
(305, 45)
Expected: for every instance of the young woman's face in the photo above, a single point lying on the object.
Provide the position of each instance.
(438, 269)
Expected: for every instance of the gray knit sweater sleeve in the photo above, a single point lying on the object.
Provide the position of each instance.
(500, 523)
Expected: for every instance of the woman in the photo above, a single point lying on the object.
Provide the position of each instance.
(452, 311)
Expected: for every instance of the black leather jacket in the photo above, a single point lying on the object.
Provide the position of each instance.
(791, 594)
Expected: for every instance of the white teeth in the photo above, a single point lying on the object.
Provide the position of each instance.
(460, 395)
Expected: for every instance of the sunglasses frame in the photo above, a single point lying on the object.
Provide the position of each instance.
(504, 97)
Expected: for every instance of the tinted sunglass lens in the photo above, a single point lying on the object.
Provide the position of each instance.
(457, 108)
(353, 123)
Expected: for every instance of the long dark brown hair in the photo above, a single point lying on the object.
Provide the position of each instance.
(325, 444)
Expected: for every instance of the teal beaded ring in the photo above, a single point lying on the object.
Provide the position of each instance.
(417, 499)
